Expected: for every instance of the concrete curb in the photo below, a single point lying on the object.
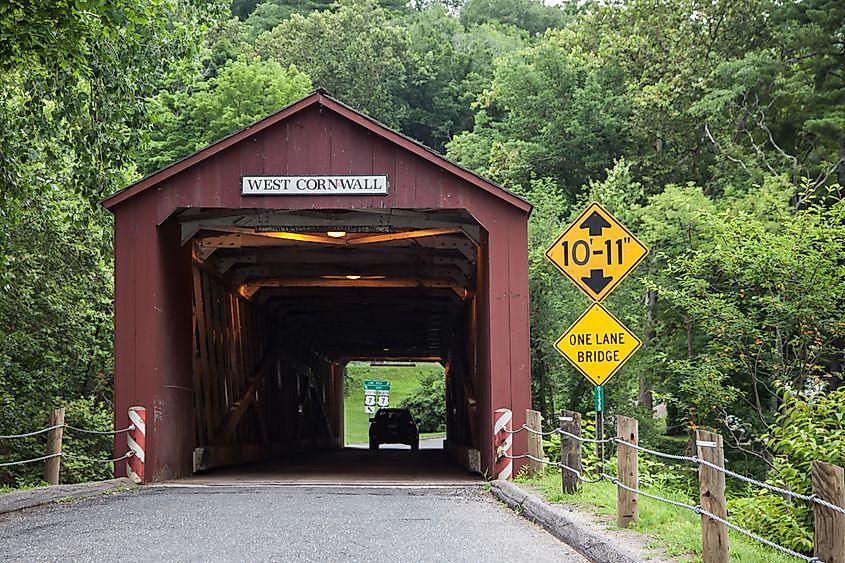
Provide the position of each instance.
(588, 543)
(19, 500)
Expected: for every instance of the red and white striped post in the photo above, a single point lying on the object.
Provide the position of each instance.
(135, 441)
(503, 441)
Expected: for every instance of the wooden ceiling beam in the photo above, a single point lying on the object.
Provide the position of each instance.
(424, 271)
(250, 288)
(315, 221)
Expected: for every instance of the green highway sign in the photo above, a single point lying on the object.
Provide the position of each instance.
(376, 395)
(376, 385)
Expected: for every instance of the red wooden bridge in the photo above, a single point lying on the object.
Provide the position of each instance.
(237, 311)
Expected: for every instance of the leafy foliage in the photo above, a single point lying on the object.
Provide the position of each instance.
(55, 314)
(428, 403)
(807, 429)
(354, 52)
(241, 93)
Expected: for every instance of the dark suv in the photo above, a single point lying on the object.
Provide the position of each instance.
(394, 426)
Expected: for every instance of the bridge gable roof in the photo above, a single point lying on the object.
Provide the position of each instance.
(323, 100)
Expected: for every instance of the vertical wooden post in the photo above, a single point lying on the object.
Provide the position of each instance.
(535, 442)
(711, 487)
(828, 525)
(570, 450)
(54, 446)
(627, 503)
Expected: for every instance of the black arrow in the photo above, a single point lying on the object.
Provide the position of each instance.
(597, 282)
(595, 223)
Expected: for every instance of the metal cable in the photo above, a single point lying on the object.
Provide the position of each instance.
(538, 433)
(815, 498)
(587, 440)
(619, 484)
(577, 473)
(69, 456)
(752, 481)
(25, 461)
(675, 457)
(699, 510)
(68, 426)
(754, 536)
(101, 433)
(697, 460)
(28, 434)
(127, 455)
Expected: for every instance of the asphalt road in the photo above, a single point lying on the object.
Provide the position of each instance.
(280, 523)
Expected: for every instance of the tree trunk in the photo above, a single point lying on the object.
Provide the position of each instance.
(541, 369)
(644, 398)
(690, 347)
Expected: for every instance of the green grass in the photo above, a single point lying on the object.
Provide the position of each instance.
(675, 530)
(23, 487)
(403, 381)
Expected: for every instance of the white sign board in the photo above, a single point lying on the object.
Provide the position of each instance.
(313, 185)
(383, 399)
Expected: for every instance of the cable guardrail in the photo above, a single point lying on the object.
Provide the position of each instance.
(67, 455)
(813, 498)
(698, 510)
(25, 461)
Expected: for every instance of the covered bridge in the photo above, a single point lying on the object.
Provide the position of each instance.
(248, 274)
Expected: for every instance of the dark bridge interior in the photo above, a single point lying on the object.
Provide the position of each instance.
(283, 299)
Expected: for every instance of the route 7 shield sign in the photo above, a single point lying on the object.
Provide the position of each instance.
(596, 252)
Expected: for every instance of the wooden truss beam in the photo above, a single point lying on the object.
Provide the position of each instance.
(250, 288)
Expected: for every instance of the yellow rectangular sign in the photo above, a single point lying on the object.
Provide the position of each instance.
(596, 252)
(598, 344)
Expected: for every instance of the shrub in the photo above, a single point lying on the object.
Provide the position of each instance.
(807, 429)
(428, 403)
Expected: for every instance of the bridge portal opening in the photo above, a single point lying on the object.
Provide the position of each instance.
(283, 300)
(417, 386)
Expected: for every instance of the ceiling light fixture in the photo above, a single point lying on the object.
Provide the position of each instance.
(353, 277)
(336, 234)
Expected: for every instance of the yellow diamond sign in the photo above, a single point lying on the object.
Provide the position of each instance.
(596, 252)
(598, 344)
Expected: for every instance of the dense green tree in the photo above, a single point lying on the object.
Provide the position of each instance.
(242, 92)
(551, 112)
(447, 69)
(767, 294)
(531, 15)
(73, 88)
(355, 52)
(75, 109)
(55, 313)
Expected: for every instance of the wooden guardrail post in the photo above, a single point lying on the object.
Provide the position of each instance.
(627, 503)
(54, 446)
(535, 442)
(828, 525)
(570, 450)
(711, 487)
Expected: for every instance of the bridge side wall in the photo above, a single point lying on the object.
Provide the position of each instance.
(153, 337)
